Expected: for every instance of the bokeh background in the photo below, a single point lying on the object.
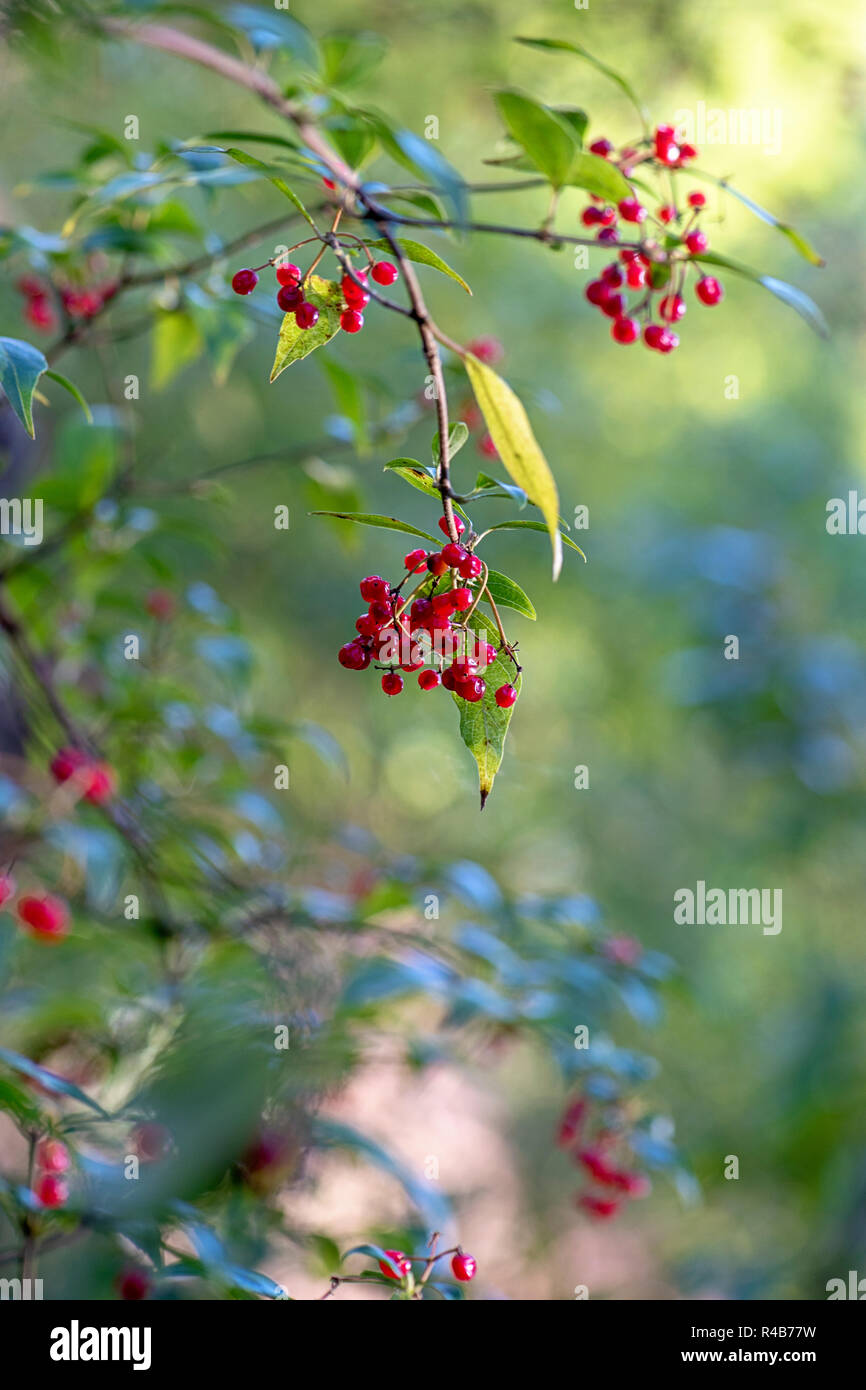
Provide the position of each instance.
(707, 518)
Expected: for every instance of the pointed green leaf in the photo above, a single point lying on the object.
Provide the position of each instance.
(386, 523)
(21, 366)
(424, 479)
(483, 726)
(73, 391)
(564, 46)
(517, 446)
(795, 298)
(493, 487)
(507, 594)
(296, 343)
(806, 250)
(241, 157)
(48, 1080)
(422, 255)
(532, 526)
(597, 175)
(548, 140)
(458, 433)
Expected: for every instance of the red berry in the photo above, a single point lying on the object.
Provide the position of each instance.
(7, 888)
(612, 276)
(244, 281)
(708, 290)
(357, 298)
(351, 321)
(672, 308)
(40, 314)
(667, 213)
(52, 1191)
(449, 679)
(384, 273)
(487, 654)
(443, 603)
(415, 659)
(290, 297)
(46, 917)
(487, 350)
(437, 564)
(635, 1184)
(392, 683)
(487, 447)
(453, 554)
(463, 1267)
(367, 625)
(697, 200)
(608, 236)
(329, 184)
(66, 763)
(464, 666)
(625, 330)
(428, 680)
(471, 688)
(415, 561)
(614, 306)
(590, 217)
(399, 1260)
(471, 568)
(306, 315)
(505, 696)
(52, 1156)
(603, 1207)
(635, 275)
(602, 147)
(631, 210)
(151, 1141)
(688, 152)
(133, 1285)
(461, 599)
(607, 217)
(459, 525)
(597, 293)
(666, 148)
(668, 341)
(374, 587)
(421, 610)
(697, 242)
(160, 603)
(288, 274)
(354, 656)
(652, 335)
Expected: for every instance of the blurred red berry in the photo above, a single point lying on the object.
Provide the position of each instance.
(52, 1156)
(487, 350)
(52, 1191)
(133, 1285)
(708, 290)
(46, 917)
(401, 1263)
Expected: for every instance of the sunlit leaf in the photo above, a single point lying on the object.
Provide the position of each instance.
(422, 255)
(386, 523)
(296, 343)
(548, 140)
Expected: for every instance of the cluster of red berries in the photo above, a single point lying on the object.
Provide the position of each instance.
(93, 780)
(395, 630)
(463, 1267)
(52, 1161)
(290, 296)
(44, 917)
(78, 303)
(613, 1181)
(657, 267)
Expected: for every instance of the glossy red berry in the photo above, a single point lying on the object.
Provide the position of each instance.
(601, 147)
(668, 341)
(52, 1156)
(630, 210)
(52, 1191)
(459, 525)
(463, 1267)
(306, 315)
(672, 308)
(453, 554)
(697, 199)
(354, 656)
(688, 151)
(399, 1259)
(288, 274)
(591, 217)
(449, 679)
(667, 213)
(614, 306)
(415, 561)
(384, 273)
(290, 297)
(652, 335)
(421, 610)
(597, 293)
(40, 314)
(665, 144)
(608, 236)
(437, 564)
(133, 1285)
(46, 917)
(471, 568)
(486, 654)
(374, 587)
(471, 688)
(505, 696)
(392, 683)
(697, 242)
(461, 599)
(612, 276)
(708, 290)
(7, 888)
(607, 217)
(244, 281)
(625, 330)
(428, 680)
(351, 321)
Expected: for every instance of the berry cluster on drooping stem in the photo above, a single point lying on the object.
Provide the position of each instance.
(398, 1267)
(597, 1141)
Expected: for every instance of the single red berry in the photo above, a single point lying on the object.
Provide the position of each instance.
(351, 321)
(414, 659)
(7, 888)
(602, 1207)
(160, 603)
(428, 680)
(392, 683)
(487, 447)
(505, 696)
(52, 1191)
(367, 625)
(464, 666)
(46, 917)
(614, 306)
(399, 1260)
(288, 274)
(668, 341)
(463, 1267)
(666, 148)
(471, 568)
(612, 276)
(420, 611)
(357, 298)
(374, 587)
(471, 688)
(100, 784)
(667, 213)
(697, 242)
(459, 525)
(487, 654)
(601, 147)
(416, 560)
(590, 217)
(652, 335)
(709, 290)
(453, 554)
(444, 603)
(461, 599)
(487, 350)
(354, 656)
(631, 210)
(625, 330)
(290, 297)
(635, 275)
(597, 292)
(635, 1184)
(449, 679)
(52, 1156)
(697, 199)
(437, 564)
(672, 308)
(133, 1285)
(66, 763)
(607, 236)
(329, 184)
(244, 281)
(688, 152)
(384, 273)
(607, 217)
(306, 315)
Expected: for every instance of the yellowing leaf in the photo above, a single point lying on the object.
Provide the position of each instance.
(295, 343)
(517, 446)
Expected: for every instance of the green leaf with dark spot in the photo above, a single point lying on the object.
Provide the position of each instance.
(386, 523)
(484, 726)
(21, 366)
(295, 343)
(422, 255)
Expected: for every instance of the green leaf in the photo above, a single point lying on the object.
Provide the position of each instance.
(386, 523)
(576, 118)
(374, 1252)
(424, 479)
(548, 140)
(484, 726)
(599, 176)
(494, 487)
(795, 298)
(176, 343)
(57, 1085)
(517, 446)
(420, 156)
(349, 58)
(21, 366)
(350, 400)
(73, 391)
(564, 46)
(250, 161)
(254, 135)
(295, 343)
(458, 433)
(421, 255)
(806, 250)
(532, 526)
(507, 594)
